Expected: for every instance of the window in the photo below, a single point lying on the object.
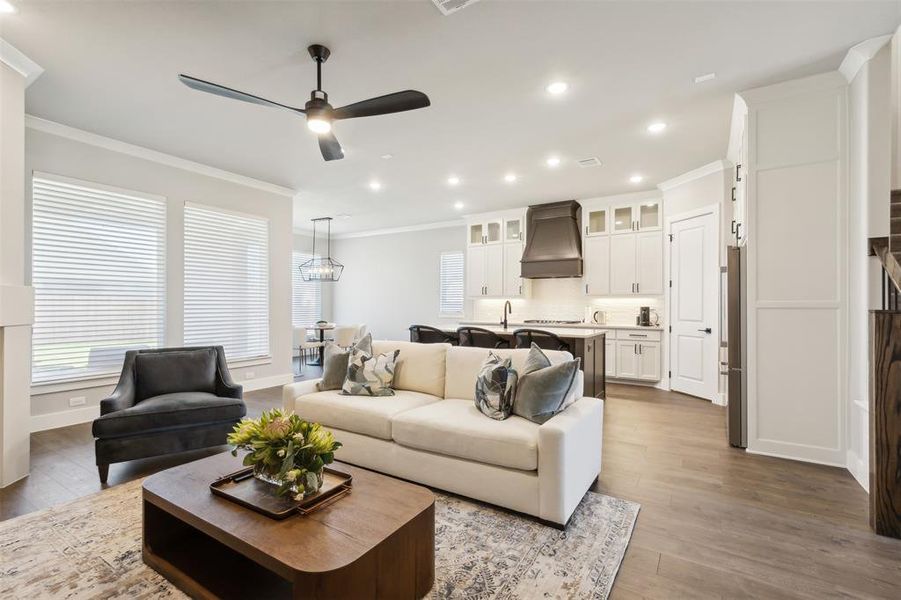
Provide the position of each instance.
(306, 303)
(227, 281)
(98, 270)
(450, 294)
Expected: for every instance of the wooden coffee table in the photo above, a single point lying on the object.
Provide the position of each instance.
(376, 542)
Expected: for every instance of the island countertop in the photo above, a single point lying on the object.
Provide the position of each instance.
(564, 332)
(555, 327)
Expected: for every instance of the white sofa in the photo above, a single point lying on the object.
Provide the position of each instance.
(431, 432)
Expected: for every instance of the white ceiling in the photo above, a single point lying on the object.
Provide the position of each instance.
(111, 69)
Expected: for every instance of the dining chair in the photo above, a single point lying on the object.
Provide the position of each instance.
(362, 330)
(304, 345)
(431, 335)
(345, 335)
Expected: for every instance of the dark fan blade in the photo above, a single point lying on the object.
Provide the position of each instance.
(383, 105)
(221, 90)
(329, 146)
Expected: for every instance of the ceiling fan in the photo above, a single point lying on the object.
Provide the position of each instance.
(319, 113)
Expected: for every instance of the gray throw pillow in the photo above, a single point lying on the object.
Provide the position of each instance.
(334, 370)
(495, 387)
(540, 393)
(536, 360)
(369, 375)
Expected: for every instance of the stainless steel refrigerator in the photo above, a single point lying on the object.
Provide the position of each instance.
(737, 412)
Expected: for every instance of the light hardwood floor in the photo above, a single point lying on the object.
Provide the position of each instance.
(715, 522)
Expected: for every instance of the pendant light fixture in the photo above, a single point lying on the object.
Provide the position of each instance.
(319, 268)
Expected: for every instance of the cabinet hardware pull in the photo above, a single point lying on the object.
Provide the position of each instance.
(634, 348)
(738, 172)
(733, 193)
(733, 226)
(638, 288)
(639, 348)
(641, 335)
(520, 290)
(586, 288)
(738, 231)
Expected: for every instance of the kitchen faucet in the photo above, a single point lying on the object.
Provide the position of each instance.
(508, 309)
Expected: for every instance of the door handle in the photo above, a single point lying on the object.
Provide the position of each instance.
(706, 330)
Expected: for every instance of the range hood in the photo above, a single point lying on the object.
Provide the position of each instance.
(553, 243)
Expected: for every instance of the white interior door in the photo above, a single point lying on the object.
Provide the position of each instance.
(694, 306)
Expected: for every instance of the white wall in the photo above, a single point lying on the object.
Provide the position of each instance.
(62, 156)
(869, 176)
(712, 188)
(797, 285)
(391, 281)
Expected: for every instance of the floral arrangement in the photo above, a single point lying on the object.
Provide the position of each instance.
(285, 450)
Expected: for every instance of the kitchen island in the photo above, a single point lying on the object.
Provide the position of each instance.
(586, 344)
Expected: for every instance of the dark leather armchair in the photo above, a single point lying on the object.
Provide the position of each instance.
(167, 400)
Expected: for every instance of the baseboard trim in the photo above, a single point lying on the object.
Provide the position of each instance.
(261, 383)
(858, 471)
(64, 418)
(784, 456)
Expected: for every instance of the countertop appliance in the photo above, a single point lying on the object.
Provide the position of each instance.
(737, 410)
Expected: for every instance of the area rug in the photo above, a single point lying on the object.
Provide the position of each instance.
(91, 548)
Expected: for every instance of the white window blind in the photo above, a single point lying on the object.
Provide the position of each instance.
(98, 270)
(306, 304)
(226, 281)
(450, 296)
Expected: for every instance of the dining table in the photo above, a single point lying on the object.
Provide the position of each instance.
(321, 328)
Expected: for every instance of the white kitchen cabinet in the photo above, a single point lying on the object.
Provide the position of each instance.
(623, 264)
(514, 284)
(649, 361)
(485, 270)
(596, 263)
(514, 229)
(649, 263)
(609, 357)
(638, 216)
(627, 359)
(739, 192)
(485, 232)
(596, 222)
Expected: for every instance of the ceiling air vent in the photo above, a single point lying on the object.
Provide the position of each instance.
(589, 162)
(451, 6)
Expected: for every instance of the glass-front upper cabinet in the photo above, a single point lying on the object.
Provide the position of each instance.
(485, 232)
(514, 230)
(596, 224)
(622, 219)
(649, 215)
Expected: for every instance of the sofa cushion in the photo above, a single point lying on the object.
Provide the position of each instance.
(169, 411)
(464, 363)
(159, 373)
(456, 428)
(359, 414)
(420, 367)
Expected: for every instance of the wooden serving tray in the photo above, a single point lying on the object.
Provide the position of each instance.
(241, 487)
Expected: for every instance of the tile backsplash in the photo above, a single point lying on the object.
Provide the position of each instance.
(562, 299)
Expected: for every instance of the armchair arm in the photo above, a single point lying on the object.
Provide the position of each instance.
(297, 389)
(123, 396)
(569, 457)
(225, 385)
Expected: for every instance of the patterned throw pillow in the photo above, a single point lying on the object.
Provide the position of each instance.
(334, 372)
(369, 375)
(495, 387)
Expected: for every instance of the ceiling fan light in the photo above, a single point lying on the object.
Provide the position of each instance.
(318, 125)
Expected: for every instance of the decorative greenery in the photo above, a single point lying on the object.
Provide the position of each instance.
(286, 449)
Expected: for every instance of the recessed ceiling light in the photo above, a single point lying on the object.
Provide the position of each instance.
(375, 186)
(387, 156)
(510, 177)
(453, 180)
(556, 88)
(553, 161)
(636, 179)
(458, 205)
(705, 77)
(656, 127)
(7, 7)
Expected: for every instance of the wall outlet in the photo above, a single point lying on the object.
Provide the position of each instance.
(248, 374)
(77, 401)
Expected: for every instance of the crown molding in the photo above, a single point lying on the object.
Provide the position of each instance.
(93, 139)
(394, 230)
(708, 169)
(13, 57)
(860, 55)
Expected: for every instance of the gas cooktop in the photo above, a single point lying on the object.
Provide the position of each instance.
(551, 322)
